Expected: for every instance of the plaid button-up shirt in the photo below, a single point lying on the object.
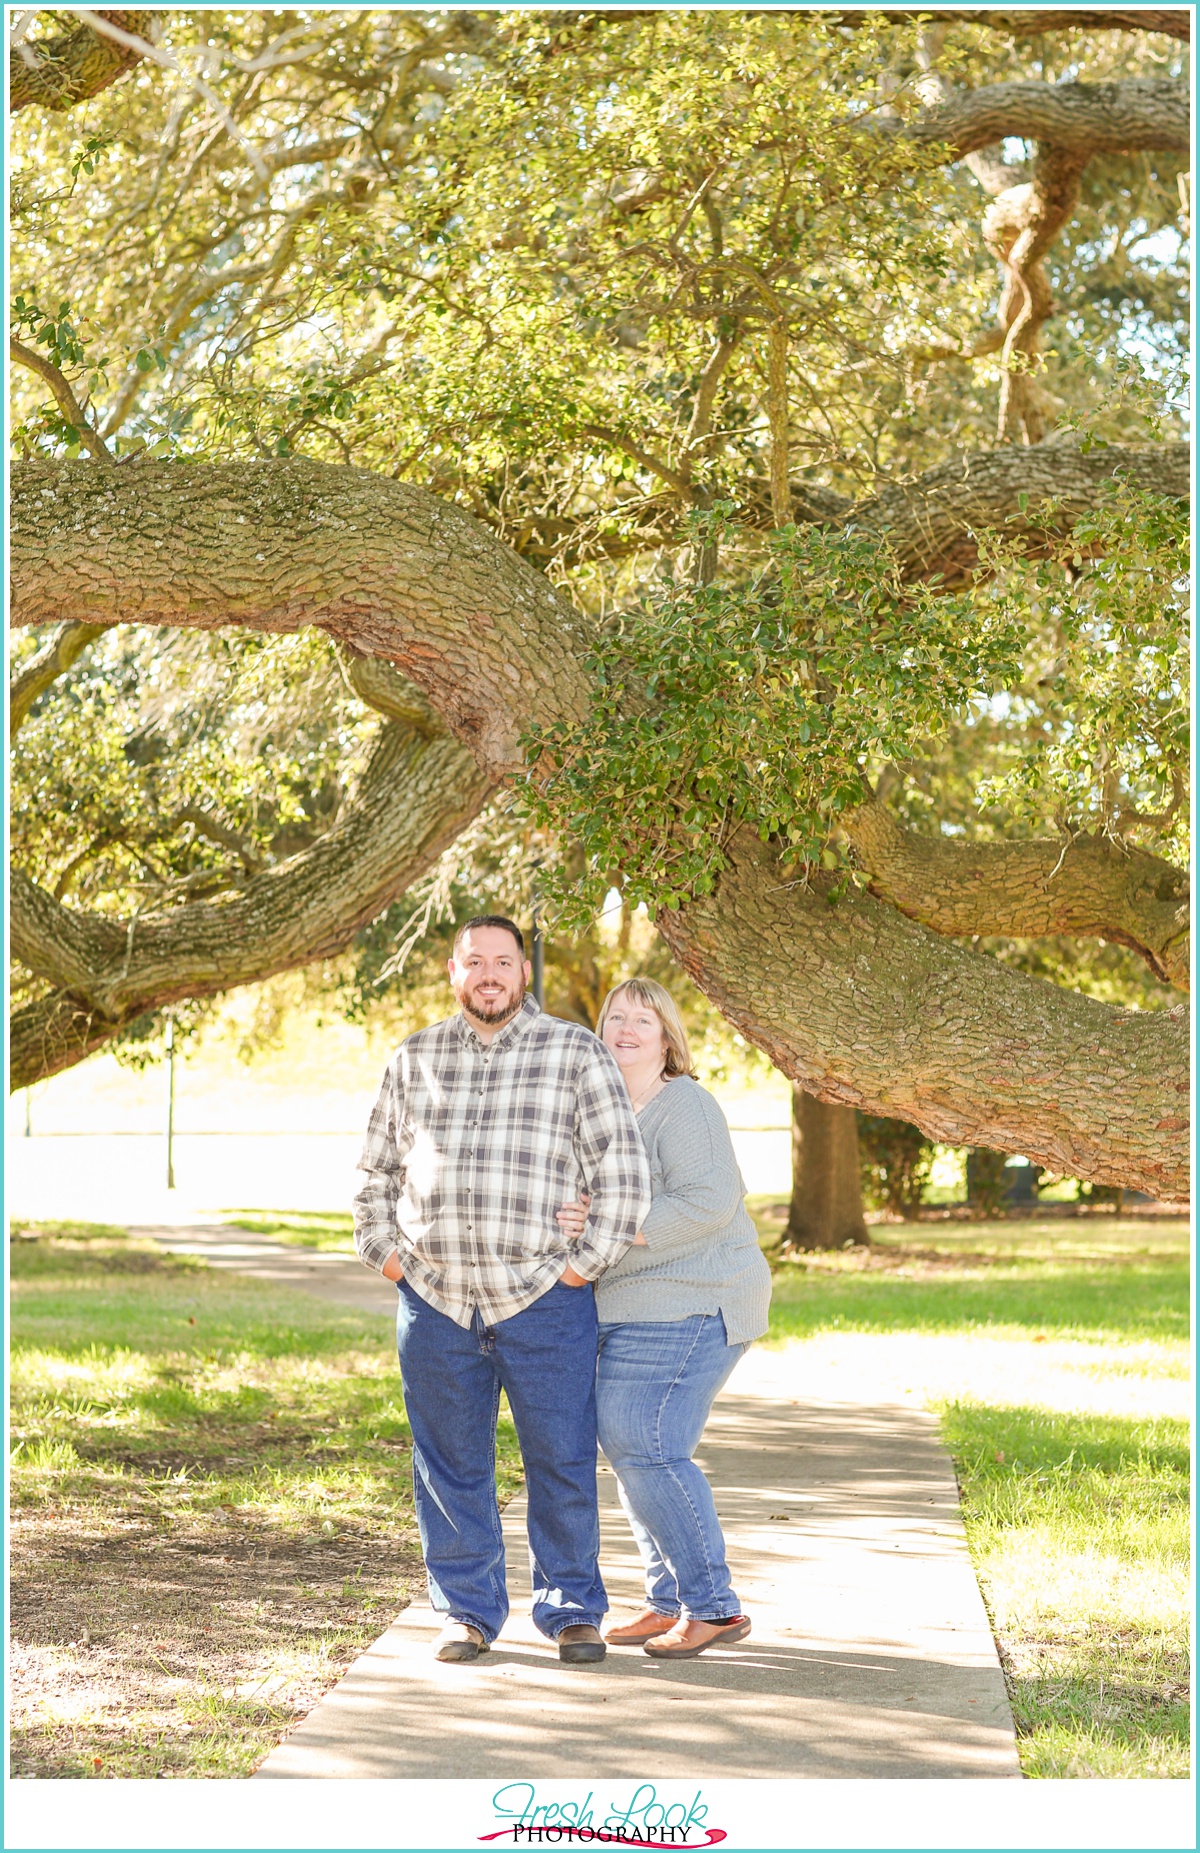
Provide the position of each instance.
(471, 1149)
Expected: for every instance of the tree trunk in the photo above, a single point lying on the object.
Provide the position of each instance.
(827, 1210)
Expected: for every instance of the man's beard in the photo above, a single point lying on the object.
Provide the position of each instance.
(500, 1012)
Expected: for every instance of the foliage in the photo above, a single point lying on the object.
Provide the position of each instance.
(987, 1180)
(764, 702)
(536, 263)
(168, 768)
(896, 1161)
(1110, 675)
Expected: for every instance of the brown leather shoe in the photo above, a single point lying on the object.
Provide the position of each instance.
(459, 1641)
(580, 1644)
(636, 1633)
(687, 1639)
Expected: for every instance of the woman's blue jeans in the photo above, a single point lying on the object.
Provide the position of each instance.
(654, 1388)
(544, 1358)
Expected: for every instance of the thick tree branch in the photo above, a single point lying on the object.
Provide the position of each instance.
(1174, 22)
(61, 71)
(1080, 119)
(1090, 888)
(861, 1006)
(385, 567)
(413, 799)
(43, 670)
(932, 522)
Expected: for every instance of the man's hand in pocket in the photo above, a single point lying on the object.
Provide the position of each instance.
(569, 1278)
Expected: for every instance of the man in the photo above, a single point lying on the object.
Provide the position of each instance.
(485, 1124)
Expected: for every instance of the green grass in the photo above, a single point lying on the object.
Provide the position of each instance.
(211, 1504)
(1079, 1529)
(165, 1415)
(1142, 1299)
(331, 1232)
(1077, 1516)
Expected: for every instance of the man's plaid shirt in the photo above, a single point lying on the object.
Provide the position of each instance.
(471, 1149)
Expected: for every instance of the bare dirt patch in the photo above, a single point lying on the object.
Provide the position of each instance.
(139, 1655)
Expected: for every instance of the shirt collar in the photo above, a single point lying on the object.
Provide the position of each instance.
(513, 1030)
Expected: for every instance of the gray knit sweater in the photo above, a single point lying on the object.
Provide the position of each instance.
(701, 1253)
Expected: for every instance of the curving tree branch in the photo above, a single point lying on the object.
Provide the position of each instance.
(1089, 887)
(932, 521)
(917, 1028)
(415, 796)
(1082, 119)
(64, 397)
(43, 670)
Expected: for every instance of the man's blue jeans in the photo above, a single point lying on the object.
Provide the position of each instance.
(545, 1360)
(655, 1387)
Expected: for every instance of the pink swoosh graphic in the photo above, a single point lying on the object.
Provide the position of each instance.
(713, 1835)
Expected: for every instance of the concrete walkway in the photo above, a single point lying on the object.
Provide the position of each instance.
(340, 1278)
(871, 1654)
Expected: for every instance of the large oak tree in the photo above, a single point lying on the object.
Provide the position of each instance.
(694, 395)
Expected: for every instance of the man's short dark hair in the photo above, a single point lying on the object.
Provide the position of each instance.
(491, 920)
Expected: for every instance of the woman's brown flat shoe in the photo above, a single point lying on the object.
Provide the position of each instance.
(646, 1628)
(682, 1649)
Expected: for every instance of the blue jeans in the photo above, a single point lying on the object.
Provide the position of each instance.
(545, 1360)
(654, 1389)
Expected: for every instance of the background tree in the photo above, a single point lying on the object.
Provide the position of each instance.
(691, 314)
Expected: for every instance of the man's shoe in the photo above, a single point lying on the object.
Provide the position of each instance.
(646, 1628)
(459, 1641)
(581, 1643)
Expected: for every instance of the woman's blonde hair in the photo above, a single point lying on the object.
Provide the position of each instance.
(655, 997)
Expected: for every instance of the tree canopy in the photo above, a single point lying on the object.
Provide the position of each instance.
(749, 444)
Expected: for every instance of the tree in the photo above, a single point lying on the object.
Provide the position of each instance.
(726, 330)
(826, 1210)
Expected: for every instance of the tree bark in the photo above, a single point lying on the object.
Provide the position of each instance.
(1089, 888)
(43, 670)
(398, 574)
(856, 1003)
(932, 521)
(826, 1209)
(864, 1007)
(388, 569)
(415, 796)
(1139, 113)
(1175, 22)
(59, 72)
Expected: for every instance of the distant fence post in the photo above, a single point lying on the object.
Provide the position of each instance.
(170, 1100)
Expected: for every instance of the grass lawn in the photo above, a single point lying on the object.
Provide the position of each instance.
(1056, 1353)
(211, 1506)
(331, 1232)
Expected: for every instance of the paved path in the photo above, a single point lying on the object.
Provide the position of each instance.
(340, 1278)
(871, 1654)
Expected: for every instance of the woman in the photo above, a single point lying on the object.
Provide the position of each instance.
(676, 1313)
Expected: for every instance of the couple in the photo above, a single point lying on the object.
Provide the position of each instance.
(542, 1196)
